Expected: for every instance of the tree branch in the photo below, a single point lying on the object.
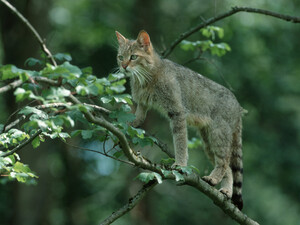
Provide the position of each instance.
(192, 179)
(233, 11)
(33, 30)
(20, 146)
(12, 124)
(101, 153)
(10, 86)
(131, 203)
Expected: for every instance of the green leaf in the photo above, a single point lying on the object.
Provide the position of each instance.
(62, 57)
(117, 88)
(168, 161)
(115, 76)
(87, 134)
(93, 89)
(81, 90)
(125, 98)
(146, 141)
(87, 70)
(122, 115)
(146, 177)
(166, 173)
(118, 154)
(21, 168)
(107, 99)
(33, 62)
(178, 176)
(63, 135)
(72, 69)
(9, 72)
(21, 94)
(158, 177)
(75, 133)
(135, 132)
(36, 142)
(218, 49)
(210, 31)
(195, 169)
(186, 169)
(23, 77)
(31, 110)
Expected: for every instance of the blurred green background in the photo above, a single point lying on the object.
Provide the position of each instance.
(263, 70)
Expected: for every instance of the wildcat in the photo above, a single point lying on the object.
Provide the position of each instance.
(187, 98)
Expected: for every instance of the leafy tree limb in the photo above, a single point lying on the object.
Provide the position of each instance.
(231, 12)
(22, 145)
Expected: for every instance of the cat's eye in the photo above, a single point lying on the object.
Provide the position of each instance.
(133, 57)
(121, 58)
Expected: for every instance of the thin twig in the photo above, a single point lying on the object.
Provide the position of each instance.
(33, 30)
(163, 146)
(131, 203)
(101, 153)
(20, 146)
(99, 108)
(54, 105)
(214, 64)
(234, 10)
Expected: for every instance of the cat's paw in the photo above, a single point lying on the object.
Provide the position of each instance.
(226, 192)
(210, 180)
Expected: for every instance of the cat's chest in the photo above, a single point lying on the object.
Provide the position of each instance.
(143, 95)
(146, 95)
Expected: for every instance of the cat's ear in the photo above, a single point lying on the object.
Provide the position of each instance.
(144, 39)
(121, 38)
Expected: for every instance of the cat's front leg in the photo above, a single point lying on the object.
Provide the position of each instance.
(140, 115)
(179, 131)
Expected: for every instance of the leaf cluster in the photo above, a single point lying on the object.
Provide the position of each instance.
(210, 32)
(45, 96)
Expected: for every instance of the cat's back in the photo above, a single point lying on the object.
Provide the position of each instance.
(199, 93)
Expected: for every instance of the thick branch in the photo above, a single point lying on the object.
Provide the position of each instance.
(129, 153)
(219, 199)
(233, 11)
(18, 83)
(12, 124)
(192, 180)
(131, 203)
(11, 86)
(32, 29)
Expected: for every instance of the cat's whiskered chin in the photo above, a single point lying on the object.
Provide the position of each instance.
(140, 75)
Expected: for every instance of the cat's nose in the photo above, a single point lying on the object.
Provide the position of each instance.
(124, 65)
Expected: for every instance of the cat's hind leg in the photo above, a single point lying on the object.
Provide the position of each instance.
(220, 137)
(227, 182)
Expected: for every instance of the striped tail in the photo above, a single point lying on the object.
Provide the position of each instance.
(237, 166)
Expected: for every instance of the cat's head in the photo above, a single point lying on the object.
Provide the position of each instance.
(136, 57)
